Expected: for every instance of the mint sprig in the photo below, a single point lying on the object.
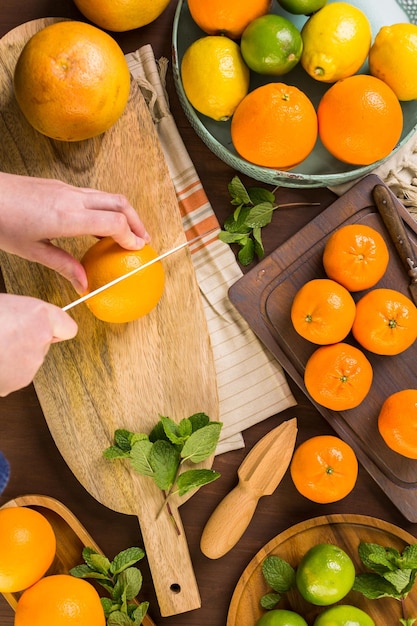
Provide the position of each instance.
(254, 210)
(162, 454)
(120, 579)
(280, 576)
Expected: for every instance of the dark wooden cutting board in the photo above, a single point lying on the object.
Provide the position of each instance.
(264, 297)
(116, 376)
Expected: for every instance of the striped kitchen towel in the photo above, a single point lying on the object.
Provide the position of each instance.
(251, 384)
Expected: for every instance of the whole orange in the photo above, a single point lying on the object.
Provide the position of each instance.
(324, 469)
(121, 15)
(360, 119)
(27, 548)
(356, 256)
(323, 311)
(60, 600)
(385, 321)
(275, 126)
(131, 298)
(397, 422)
(217, 17)
(338, 376)
(71, 81)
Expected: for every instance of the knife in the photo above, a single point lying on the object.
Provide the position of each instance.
(71, 305)
(395, 226)
(259, 475)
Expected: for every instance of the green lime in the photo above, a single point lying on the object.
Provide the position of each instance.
(344, 615)
(271, 45)
(325, 574)
(302, 7)
(281, 617)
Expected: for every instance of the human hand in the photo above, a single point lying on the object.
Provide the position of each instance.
(35, 210)
(28, 327)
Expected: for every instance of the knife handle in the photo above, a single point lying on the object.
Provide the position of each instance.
(228, 521)
(396, 228)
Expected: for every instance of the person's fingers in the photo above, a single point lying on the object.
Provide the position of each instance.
(62, 262)
(63, 326)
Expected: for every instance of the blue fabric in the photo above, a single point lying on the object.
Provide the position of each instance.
(4, 472)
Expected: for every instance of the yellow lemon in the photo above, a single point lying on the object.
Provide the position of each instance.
(393, 59)
(121, 15)
(214, 76)
(336, 41)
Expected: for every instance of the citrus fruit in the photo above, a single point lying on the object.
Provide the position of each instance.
(60, 600)
(325, 574)
(71, 81)
(343, 615)
(337, 39)
(214, 76)
(356, 256)
(385, 321)
(275, 126)
(393, 59)
(28, 546)
(121, 15)
(324, 469)
(360, 119)
(323, 311)
(338, 376)
(217, 17)
(131, 298)
(271, 45)
(281, 617)
(302, 7)
(397, 422)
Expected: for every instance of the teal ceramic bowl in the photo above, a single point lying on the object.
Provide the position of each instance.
(320, 169)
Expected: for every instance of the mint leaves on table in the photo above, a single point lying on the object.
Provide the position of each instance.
(121, 580)
(280, 576)
(392, 574)
(161, 455)
(254, 210)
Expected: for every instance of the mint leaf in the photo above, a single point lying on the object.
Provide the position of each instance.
(128, 585)
(257, 242)
(238, 192)
(140, 457)
(247, 252)
(117, 618)
(270, 600)
(401, 579)
(259, 194)
(198, 420)
(164, 460)
(279, 574)
(172, 431)
(123, 438)
(202, 443)
(260, 215)
(373, 586)
(126, 559)
(193, 479)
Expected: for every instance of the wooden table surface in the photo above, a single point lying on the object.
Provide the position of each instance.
(38, 468)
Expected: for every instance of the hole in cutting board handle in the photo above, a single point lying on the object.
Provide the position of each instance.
(175, 588)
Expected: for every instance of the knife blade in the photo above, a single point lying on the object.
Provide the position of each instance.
(259, 474)
(395, 226)
(71, 305)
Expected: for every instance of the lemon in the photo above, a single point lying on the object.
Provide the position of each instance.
(214, 76)
(393, 59)
(336, 42)
(271, 45)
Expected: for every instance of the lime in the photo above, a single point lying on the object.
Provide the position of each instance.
(281, 617)
(302, 7)
(336, 42)
(271, 45)
(214, 76)
(325, 574)
(344, 615)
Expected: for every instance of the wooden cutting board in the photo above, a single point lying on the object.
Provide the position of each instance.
(116, 376)
(345, 531)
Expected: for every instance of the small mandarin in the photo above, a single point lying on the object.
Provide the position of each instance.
(131, 298)
(356, 256)
(385, 321)
(60, 600)
(217, 17)
(397, 422)
(28, 546)
(360, 120)
(323, 311)
(275, 126)
(324, 469)
(338, 376)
